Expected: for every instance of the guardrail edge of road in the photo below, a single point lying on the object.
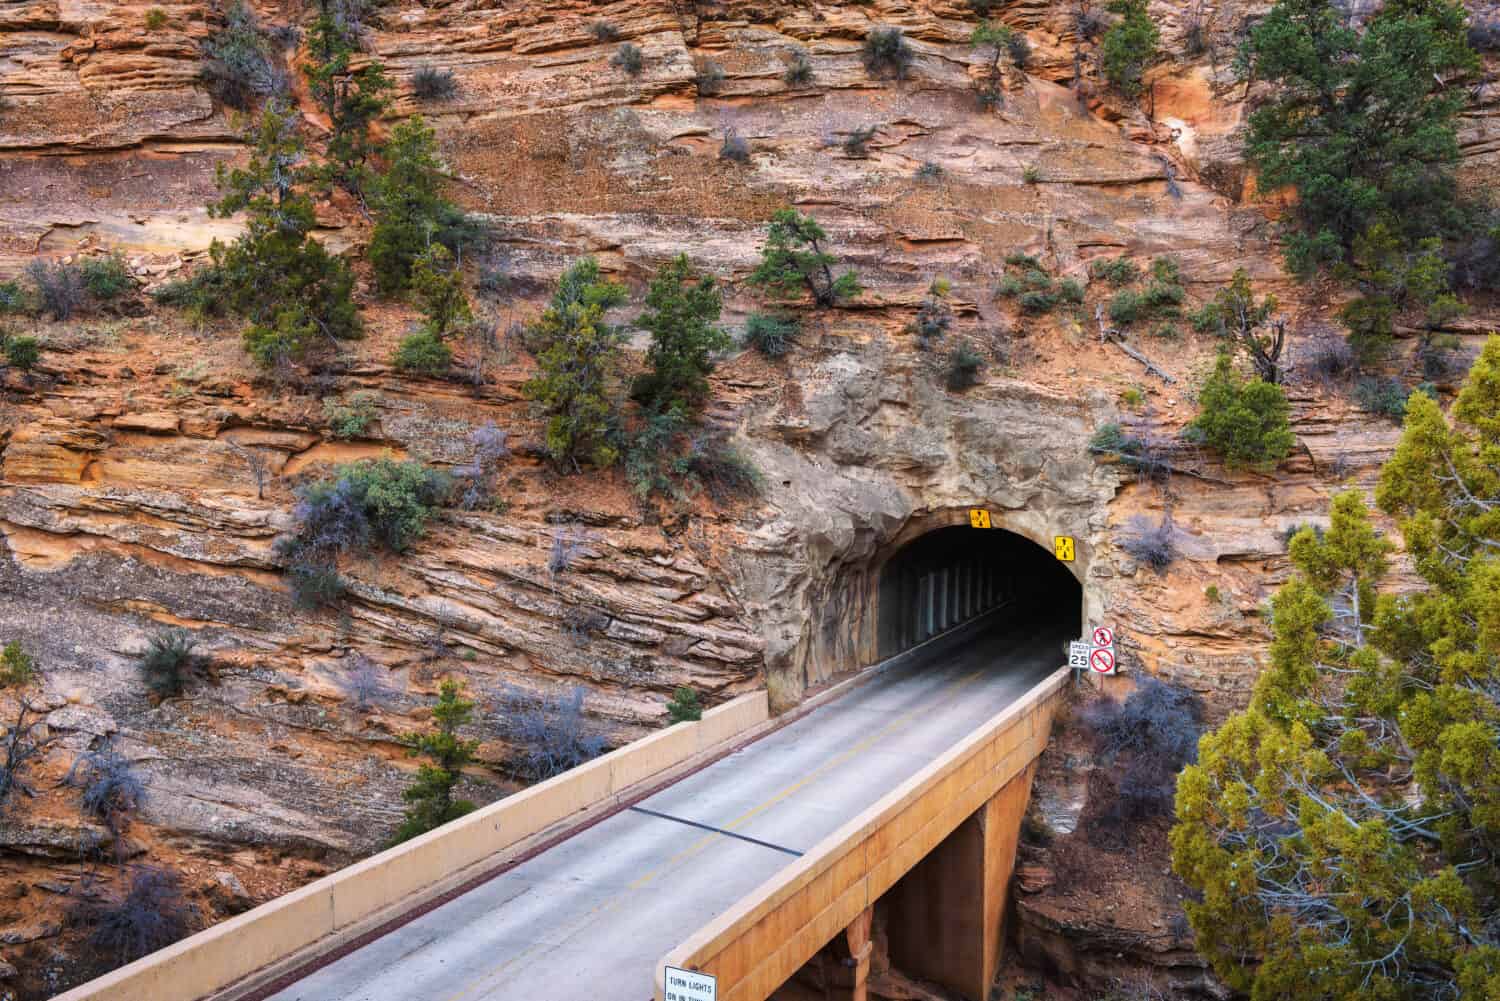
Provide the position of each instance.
(227, 953)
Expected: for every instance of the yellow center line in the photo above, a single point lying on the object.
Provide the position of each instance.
(948, 692)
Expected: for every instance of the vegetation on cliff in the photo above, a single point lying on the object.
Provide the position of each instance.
(578, 357)
(1129, 46)
(411, 212)
(1362, 121)
(793, 260)
(1245, 421)
(352, 99)
(430, 800)
(294, 293)
(1342, 830)
(376, 502)
(682, 312)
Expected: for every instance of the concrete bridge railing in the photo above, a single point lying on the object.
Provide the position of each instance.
(960, 812)
(232, 950)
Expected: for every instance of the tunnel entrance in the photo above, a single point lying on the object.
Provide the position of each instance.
(955, 574)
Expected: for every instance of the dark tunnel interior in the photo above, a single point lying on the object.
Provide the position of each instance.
(952, 575)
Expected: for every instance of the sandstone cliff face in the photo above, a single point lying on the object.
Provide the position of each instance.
(129, 494)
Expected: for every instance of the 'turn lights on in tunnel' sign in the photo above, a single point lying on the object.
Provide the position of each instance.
(689, 985)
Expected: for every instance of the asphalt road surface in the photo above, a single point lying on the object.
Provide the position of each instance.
(589, 919)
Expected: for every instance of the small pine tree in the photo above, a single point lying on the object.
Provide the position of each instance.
(1247, 423)
(793, 260)
(578, 356)
(352, 101)
(1129, 46)
(438, 286)
(992, 40)
(1395, 278)
(681, 309)
(430, 796)
(17, 667)
(684, 707)
(439, 289)
(294, 293)
(410, 210)
(1237, 316)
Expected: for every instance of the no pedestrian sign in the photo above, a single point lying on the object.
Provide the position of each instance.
(689, 985)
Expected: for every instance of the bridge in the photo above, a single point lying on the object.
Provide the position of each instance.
(756, 851)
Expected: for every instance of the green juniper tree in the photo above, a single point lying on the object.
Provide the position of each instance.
(438, 287)
(992, 40)
(578, 358)
(684, 706)
(352, 100)
(1362, 120)
(793, 261)
(1342, 831)
(682, 308)
(1395, 278)
(294, 293)
(1245, 422)
(1247, 323)
(1129, 46)
(410, 210)
(430, 797)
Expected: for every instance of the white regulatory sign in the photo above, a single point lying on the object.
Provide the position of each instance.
(689, 985)
(1078, 655)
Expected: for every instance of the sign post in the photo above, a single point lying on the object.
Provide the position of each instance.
(689, 985)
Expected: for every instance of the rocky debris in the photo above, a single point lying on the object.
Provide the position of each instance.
(29, 933)
(1034, 878)
(226, 894)
(53, 839)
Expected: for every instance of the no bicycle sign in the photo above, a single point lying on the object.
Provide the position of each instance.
(1102, 660)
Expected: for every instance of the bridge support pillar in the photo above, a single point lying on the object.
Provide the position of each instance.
(860, 948)
(946, 916)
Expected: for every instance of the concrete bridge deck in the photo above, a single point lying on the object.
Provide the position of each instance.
(590, 919)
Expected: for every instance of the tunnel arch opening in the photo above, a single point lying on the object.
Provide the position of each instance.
(950, 576)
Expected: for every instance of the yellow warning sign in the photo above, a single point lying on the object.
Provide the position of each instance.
(1062, 545)
(979, 518)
